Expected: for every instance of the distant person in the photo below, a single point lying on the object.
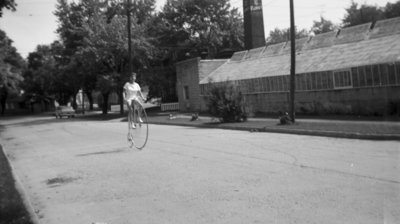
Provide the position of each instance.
(133, 96)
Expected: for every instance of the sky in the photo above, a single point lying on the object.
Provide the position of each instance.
(34, 22)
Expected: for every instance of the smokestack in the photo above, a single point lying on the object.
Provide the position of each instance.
(253, 24)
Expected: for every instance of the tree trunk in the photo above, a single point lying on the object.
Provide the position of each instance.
(105, 102)
(90, 98)
(42, 105)
(211, 52)
(74, 105)
(3, 99)
(121, 102)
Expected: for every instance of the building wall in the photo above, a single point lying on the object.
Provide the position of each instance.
(189, 74)
(355, 70)
(363, 90)
(187, 87)
(206, 67)
(361, 101)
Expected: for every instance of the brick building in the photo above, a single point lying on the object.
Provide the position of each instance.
(189, 74)
(355, 70)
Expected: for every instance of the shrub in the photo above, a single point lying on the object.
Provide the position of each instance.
(226, 102)
(394, 107)
(285, 119)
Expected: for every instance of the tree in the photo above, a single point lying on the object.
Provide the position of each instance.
(283, 35)
(322, 26)
(356, 15)
(71, 17)
(106, 42)
(106, 84)
(141, 10)
(88, 69)
(94, 35)
(203, 26)
(106, 39)
(392, 10)
(235, 31)
(8, 4)
(42, 77)
(11, 66)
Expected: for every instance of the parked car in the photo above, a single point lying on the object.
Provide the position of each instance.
(65, 111)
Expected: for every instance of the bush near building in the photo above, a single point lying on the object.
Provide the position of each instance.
(226, 103)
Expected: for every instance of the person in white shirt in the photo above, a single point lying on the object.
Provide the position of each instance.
(133, 96)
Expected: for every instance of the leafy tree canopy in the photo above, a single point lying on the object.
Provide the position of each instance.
(392, 10)
(356, 15)
(11, 64)
(283, 35)
(39, 77)
(106, 43)
(202, 26)
(322, 26)
(70, 16)
(139, 9)
(8, 4)
(359, 14)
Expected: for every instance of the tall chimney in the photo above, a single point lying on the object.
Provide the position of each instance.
(253, 24)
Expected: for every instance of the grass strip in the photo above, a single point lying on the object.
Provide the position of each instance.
(12, 208)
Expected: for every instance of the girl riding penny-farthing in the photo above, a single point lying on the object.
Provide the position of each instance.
(138, 129)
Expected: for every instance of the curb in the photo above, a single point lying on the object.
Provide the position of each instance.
(332, 134)
(22, 192)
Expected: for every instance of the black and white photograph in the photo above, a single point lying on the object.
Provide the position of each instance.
(199, 111)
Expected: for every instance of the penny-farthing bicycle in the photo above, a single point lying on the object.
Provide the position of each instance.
(138, 127)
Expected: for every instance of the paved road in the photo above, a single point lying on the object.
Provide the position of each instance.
(82, 172)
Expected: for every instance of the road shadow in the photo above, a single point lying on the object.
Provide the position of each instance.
(102, 152)
(29, 121)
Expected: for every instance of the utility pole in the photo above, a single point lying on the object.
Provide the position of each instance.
(128, 13)
(128, 27)
(292, 62)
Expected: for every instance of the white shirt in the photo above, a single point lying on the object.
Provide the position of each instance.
(132, 91)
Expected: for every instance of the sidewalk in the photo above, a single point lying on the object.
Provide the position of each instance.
(335, 127)
(373, 130)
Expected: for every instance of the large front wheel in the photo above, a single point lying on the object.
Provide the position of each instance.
(138, 127)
